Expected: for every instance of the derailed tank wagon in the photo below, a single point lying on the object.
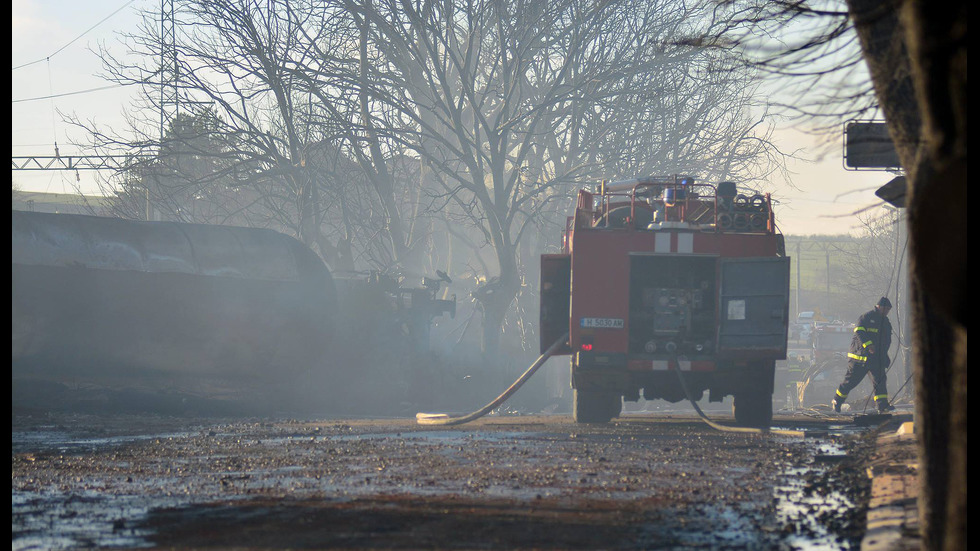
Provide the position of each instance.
(246, 318)
(660, 276)
(109, 300)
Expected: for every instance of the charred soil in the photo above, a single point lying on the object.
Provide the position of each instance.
(530, 482)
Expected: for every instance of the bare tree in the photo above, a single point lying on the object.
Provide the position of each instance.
(808, 51)
(357, 124)
(513, 105)
(237, 62)
(873, 260)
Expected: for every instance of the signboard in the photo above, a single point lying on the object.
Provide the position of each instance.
(894, 192)
(736, 309)
(868, 145)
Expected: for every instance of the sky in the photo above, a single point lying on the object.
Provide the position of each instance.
(59, 35)
(57, 39)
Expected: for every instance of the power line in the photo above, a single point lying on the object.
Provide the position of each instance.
(72, 41)
(68, 93)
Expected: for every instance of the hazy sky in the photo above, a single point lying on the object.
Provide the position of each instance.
(58, 34)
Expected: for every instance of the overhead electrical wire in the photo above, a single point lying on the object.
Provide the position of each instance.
(72, 41)
(68, 93)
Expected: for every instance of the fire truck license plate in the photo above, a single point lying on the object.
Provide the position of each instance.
(602, 323)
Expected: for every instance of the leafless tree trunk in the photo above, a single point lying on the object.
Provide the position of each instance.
(917, 58)
(916, 54)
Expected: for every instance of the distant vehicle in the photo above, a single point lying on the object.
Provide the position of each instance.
(828, 361)
(831, 341)
(805, 331)
(806, 318)
(806, 322)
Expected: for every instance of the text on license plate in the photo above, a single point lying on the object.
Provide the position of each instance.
(602, 323)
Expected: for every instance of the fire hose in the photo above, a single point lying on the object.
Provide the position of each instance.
(723, 428)
(444, 419)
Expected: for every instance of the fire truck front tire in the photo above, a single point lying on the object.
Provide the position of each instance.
(595, 406)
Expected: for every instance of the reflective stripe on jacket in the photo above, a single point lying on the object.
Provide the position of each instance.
(873, 328)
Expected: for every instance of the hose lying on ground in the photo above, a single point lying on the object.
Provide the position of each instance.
(723, 428)
(444, 419)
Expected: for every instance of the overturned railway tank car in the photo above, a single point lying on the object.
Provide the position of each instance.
(110, 300)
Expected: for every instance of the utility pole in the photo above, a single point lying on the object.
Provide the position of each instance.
(827, 253)
(901, 238)
(168, 67)
(169, 100)
(169, 108)
(799, 259)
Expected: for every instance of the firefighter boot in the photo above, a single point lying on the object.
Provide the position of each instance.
(883, 405)
(838, 401)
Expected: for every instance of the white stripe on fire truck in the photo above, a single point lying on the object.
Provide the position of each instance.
(662, 243)
(685, 243)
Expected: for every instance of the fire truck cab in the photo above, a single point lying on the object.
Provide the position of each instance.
(669, 288)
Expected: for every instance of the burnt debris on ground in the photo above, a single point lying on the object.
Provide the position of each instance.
(517, 482)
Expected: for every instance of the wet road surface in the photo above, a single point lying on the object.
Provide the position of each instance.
(514, 482)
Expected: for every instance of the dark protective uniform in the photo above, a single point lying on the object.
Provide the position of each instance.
(873, 332)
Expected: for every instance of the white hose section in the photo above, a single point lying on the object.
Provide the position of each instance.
(444, 419)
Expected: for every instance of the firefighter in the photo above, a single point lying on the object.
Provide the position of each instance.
(869, 354)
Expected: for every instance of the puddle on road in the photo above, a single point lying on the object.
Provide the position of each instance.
(51, 520)
(64, 442)
(811, 511)
(711, 526)
(740, 531)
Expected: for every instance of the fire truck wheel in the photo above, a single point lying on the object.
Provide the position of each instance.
(593, 406)
(753, 409)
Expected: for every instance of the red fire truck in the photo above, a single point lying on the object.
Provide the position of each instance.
(669, 288)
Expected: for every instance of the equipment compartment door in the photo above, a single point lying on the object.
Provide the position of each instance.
(556, 291)
(753, 308)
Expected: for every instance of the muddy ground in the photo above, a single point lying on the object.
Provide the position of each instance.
(514, 482)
